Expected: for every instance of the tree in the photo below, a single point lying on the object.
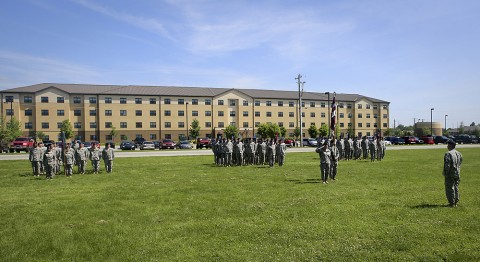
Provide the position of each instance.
(273, 130)
(283, 131)
(262, 130)
(231, 131)
(472, 124)
(113, 133)
(323, 130)
(337, 131)
(461, 129)
(313, 131)
(387, 132)
(67, 129)
(13, 130)
(296, 132)
(40, 135)
(351, 131)
(195, 128)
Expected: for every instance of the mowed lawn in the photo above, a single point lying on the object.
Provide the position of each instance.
(187, 209)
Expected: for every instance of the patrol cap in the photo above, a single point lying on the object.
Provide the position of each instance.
(450, 142)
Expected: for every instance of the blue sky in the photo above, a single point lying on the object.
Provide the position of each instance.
(415, 54)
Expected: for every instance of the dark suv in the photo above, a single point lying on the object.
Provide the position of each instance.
(440, 139)
(409, 139)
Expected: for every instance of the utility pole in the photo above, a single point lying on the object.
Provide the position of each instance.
(300, 93)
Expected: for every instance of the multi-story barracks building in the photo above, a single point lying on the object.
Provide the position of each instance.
(157, 112)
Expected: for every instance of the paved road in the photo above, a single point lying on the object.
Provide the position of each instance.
(195, 152)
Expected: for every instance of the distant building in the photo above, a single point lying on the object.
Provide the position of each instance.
(157, 112)
(437, 127)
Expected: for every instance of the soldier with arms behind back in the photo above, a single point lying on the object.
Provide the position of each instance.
(451, 171)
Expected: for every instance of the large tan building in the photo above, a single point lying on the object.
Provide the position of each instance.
(157, 112)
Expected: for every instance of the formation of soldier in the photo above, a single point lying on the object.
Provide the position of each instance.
(49, 160)
(361, 148)
(239, 152)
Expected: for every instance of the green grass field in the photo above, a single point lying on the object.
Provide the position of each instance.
(185, 209)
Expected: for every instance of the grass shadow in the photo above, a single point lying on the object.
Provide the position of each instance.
(429, 206)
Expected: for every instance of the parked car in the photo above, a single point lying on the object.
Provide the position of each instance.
(418, 140)
(289, 142)
(47, 143)
(147, 145)
(387, 143)
(157, 144)
(127, 145)
(111, 143)
(440, 139)
(168, 144)
(398, 140)
(21, 144)
(203, 142)
(87, 144)
(309, 142)
(185, 144)
(138, 141)
(409, 140)
(466, 139)
(428, 140)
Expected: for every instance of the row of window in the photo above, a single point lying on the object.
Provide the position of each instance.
(194, 101)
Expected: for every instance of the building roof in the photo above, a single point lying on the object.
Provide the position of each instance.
(183, 91)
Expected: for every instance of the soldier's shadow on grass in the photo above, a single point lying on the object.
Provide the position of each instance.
(428, 206)
(306, 181)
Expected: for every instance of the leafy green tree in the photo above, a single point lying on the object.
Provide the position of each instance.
(461, 129)
(273, 130)
(113, 133)
(67, 129)
(283, 131)
(13, 129)
(476, 132)
(296, 132)
(40, 135)
(195, 128)
(387, 132)
(351, 131)
(231, 131)
(337, 131)
(262, 130)
(313, 131)
(323, 130)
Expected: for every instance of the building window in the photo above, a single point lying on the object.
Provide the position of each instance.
(208, 124)
(291, 124)
(181, 101)
(303, 103)
(303, 124)
(10, 112)
(138, 100)
(245, 124)
(60, 112)
(27, 99)
(322, 104)
(123, 124)
(93, 124)
(232, 113)
(153, 112)
(384, 124)
(28, 125)
(359, 106)
(368, 124)
(375, 115)
(340, 105)
(312, 114)
(77, 125)
(269, 114)
(123, 100)
(368, 115)
(349, 105)
(220, 102)
(44, 99)
(208, 102)
(153, 101)
(269, 103)
(194, 101)
(233, 124)
(291, 114)
(359, 115)
(280, 124)
(60, 99)
(208, 113)
(59, 125)
(123, 137)
(181, 124)
(93, 112)
(166, 101)
(221, 124)
(194, 113)
(313, 123)
(108, 124)
(322, 114)
(384, 115)
(153, 136)
(138, 112)
(257, 124)
(367, 106)
(220, 113)
(108, 100)
(349, 124)
(108, 112)
(168, 136)
(375, 125)
(167, 113)
(342, 115)
(280, 103)
(375, 106)
(312, 104)
(77, 100)
(342, 124)
(257, 102)
(28, 112)
(360, 125)
(168, 125)
(280, 114)
(92, 100)
(45, 125)
(232, 102)
(123, 112)
(350, 115)
(181, 113)
(77, 112)
(245, 113)
(257, 113)
(153, 124)
(245, 102)
(138, 124)
(291, 104)
(385, 107)
(44, 112)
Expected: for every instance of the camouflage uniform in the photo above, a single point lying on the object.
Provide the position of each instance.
(347, 149)
(69, 160)
(281, 149)
(108, 156)
(325, 155)
(373, 150)
(95, 156)
(82, 157)
(59, 156)
(49, 162)
(228, 153)
(339, 145)
(35, 158)
(335, 155)
(253, 149)
(271, 153)
(43, 150)
(365, 147)
(452, 162)
(239, 153)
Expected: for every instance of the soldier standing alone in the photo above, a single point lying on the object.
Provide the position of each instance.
(108, 156)
(452, 162)
(325, 155)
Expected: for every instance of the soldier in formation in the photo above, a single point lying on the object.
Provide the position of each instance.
(81, 158)
(69, 160)
(108, 156)
(35, 156)
(95, 156)
(50, 161)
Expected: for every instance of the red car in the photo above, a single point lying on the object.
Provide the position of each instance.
(409, 140)
(289, 142)
(203, 142)
(167, 144)
(21, 144)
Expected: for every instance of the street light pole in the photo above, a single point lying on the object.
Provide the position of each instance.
(186, 116)
(431, 121)
(328, 95)
(445, 125)
(300, 93)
